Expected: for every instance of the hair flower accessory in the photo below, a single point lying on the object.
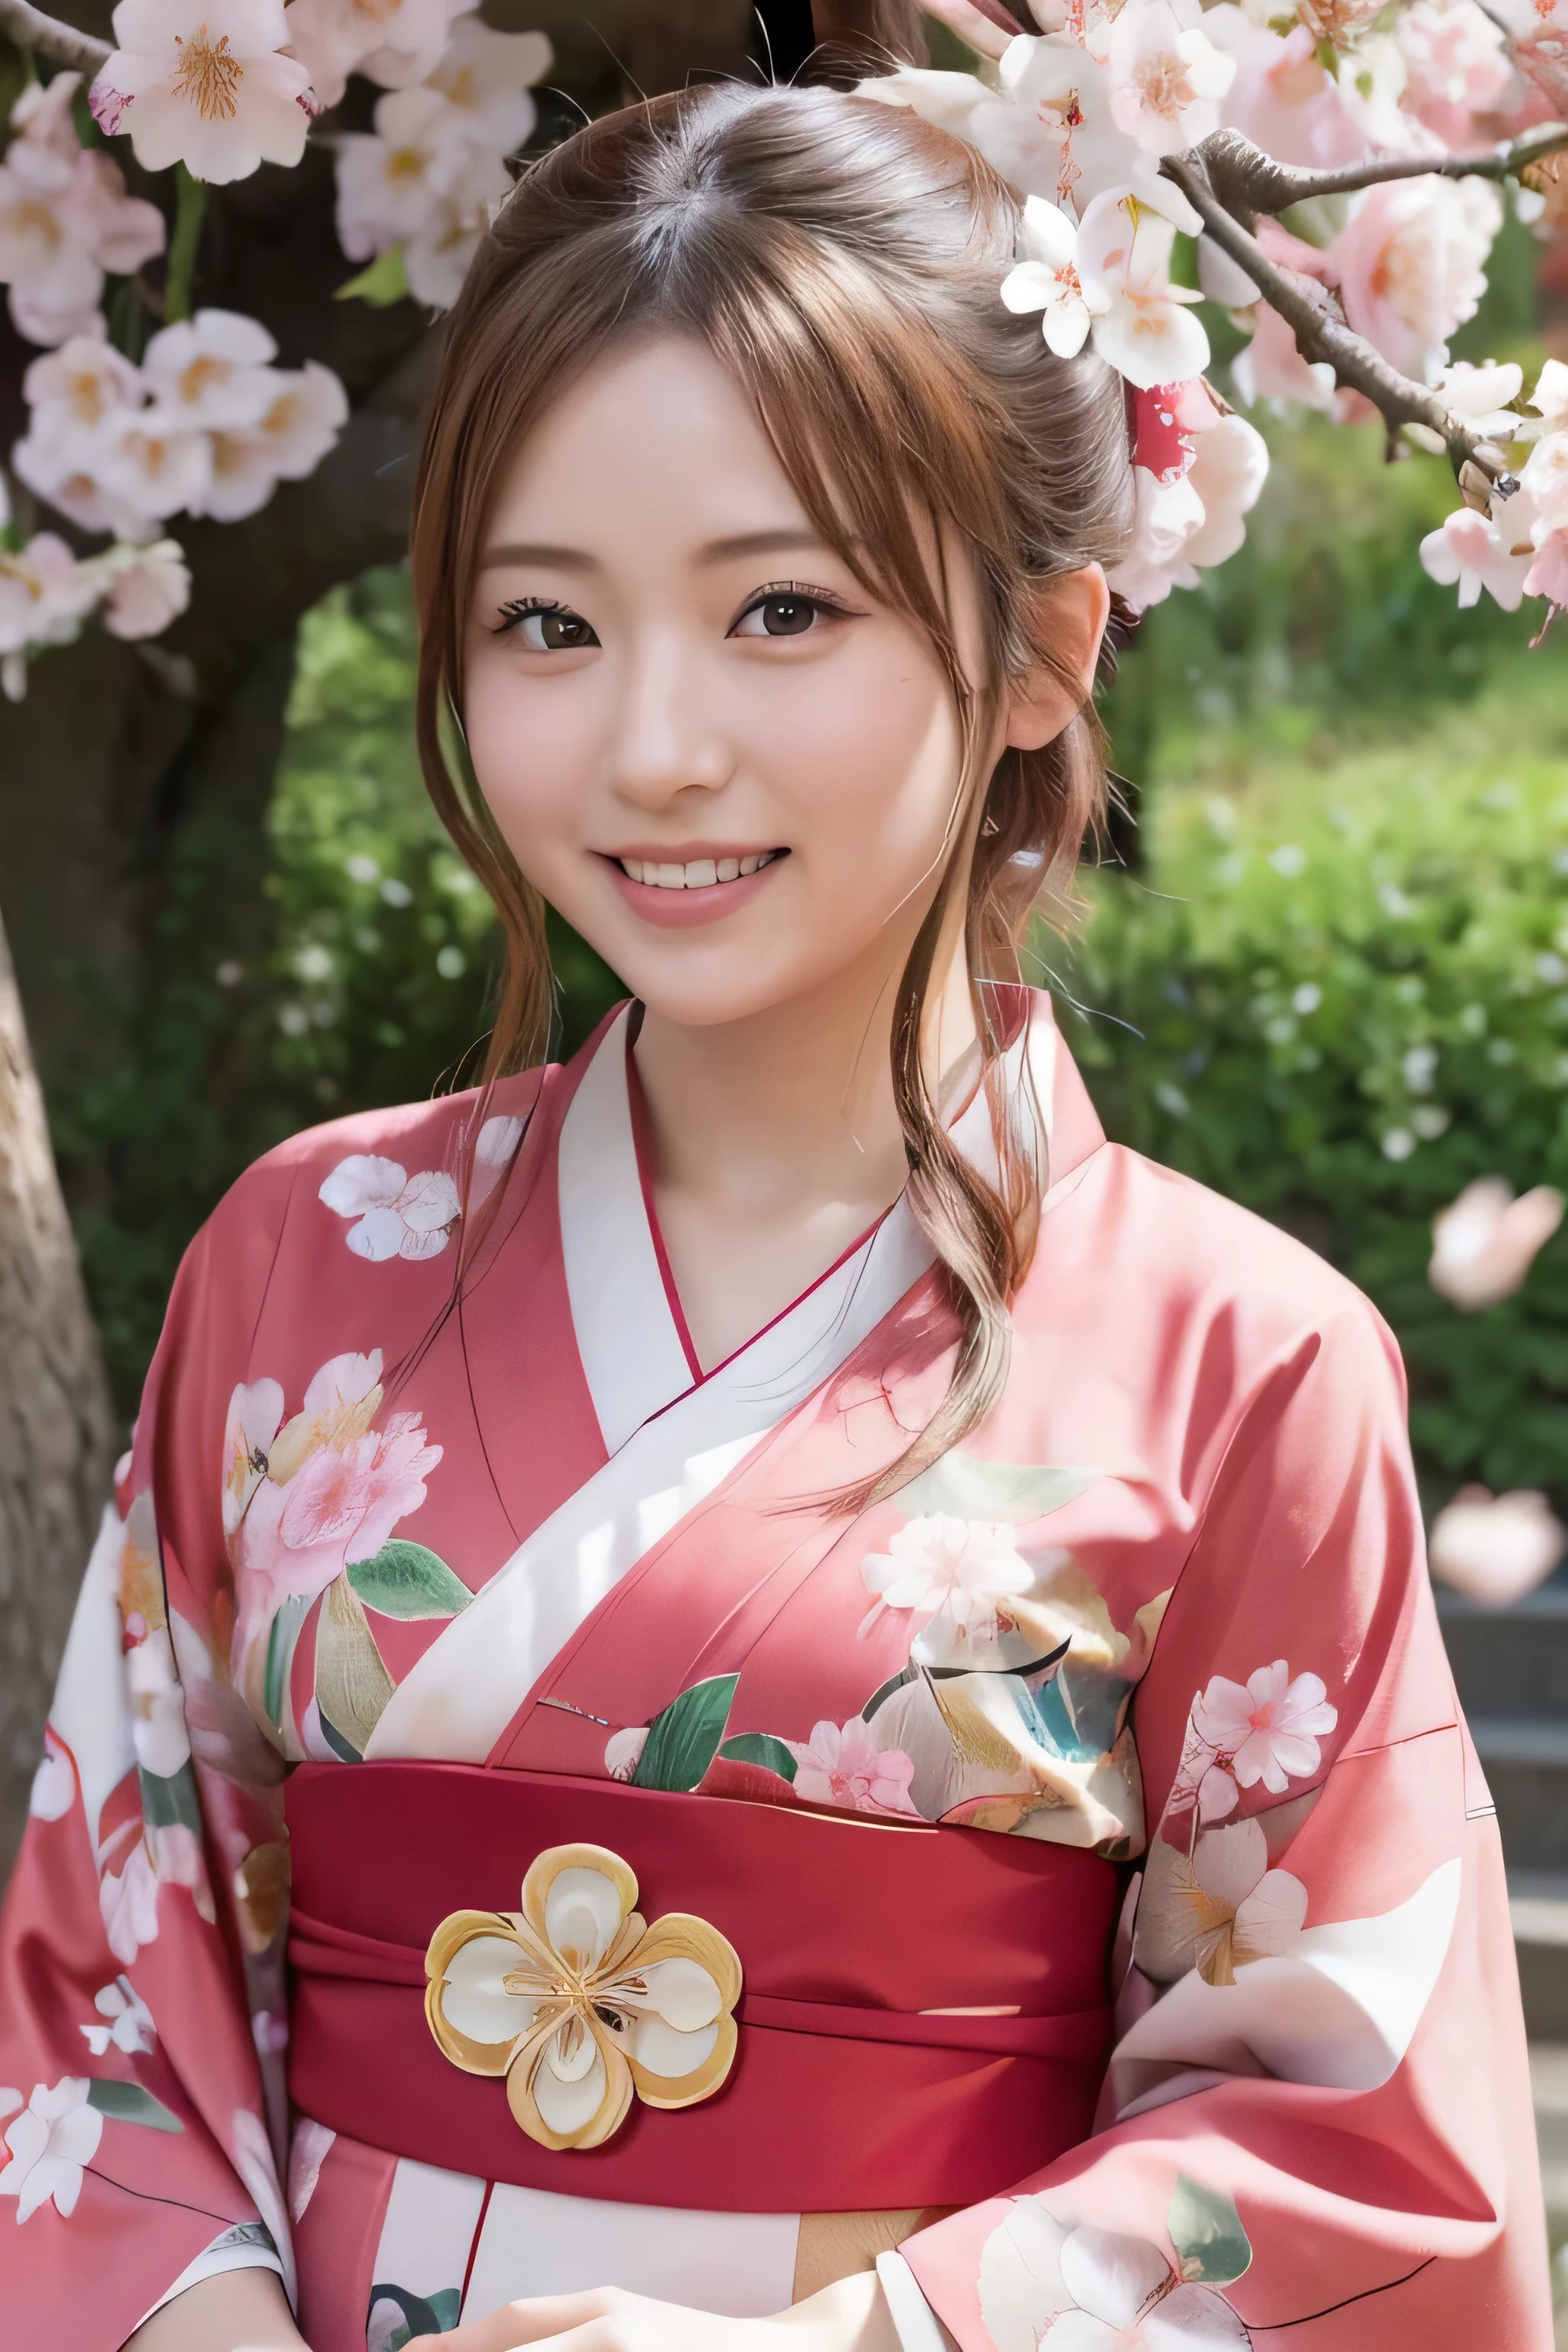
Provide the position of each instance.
(578, 2002)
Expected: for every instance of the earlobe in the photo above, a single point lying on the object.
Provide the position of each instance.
(1066, 622)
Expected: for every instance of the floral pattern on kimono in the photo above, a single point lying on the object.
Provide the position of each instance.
(1168, 1606)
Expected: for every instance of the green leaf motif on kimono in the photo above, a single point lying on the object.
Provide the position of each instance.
(168, 1802)
(1002, 1493)
(683, 1741)
(127, 2103)
(760, 1747)
(1205, 2230)
(281, 1636)
(403, 1580)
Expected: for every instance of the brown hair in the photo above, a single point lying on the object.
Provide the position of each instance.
(842, 259)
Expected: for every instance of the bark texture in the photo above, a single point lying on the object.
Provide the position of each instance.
(55, 1440)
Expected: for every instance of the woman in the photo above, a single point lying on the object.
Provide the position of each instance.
(927, 1606)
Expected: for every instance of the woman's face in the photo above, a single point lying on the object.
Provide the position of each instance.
(728, 767)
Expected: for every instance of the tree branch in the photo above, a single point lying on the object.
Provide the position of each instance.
(29, 29)
(1246, 180)
(1321, 333)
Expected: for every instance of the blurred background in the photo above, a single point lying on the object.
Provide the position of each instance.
(1323, 965)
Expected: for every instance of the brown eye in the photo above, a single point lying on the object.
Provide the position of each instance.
(546, 628)
(560, 631)
(786, 616)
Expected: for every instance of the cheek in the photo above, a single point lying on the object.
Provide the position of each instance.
(530, 751)
(871, 756)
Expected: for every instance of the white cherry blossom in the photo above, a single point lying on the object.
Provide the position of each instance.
(144, 588)
(1549, 401)
(307, 409)
(1485, 1241)
(65, 218)
(1166, 76)
(1064, 96)
(1045, 278)
(1472, 551)
(961, 1568)
(1045, 2286)
(55, 2134)
(202, 83)
(1269, 1728)
(1025, 147)
(43, 593)
(486, 78)
(153, 465)
(128, 1901)
(129, 2021)
(435, 259)
(210, 373)
(394, 42)
(1145, 331)
(1495, 1547)
(396, 1214)
(53, 1783)
(1482, 396)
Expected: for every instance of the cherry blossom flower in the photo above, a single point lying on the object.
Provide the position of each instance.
(436, 258)
(394, 42)
(1540, 45)
(1410, 264)
(1124, 251)
(44, 594)
(157, 1705)
(1166, 76)
(144, 588)
(129, 2020)
(1455, 63)
(201, 82)
(1482, 396)
(307, 409)
(1550, 400)
(1485, 1241)
(154, 465)
(1548, 576)
(1045, 278)
(53, 1791)
(81, 389)
(1545, 480)
(1062, 101)
(1045, 2286)
(1230, 469)
(1283, 98)
(65, 218)
(486, 75)
(210, 373)
(961, 1568)
(1217, 1909)
(398, 1216)
(842, 1765)
(1268, 1729)
(1025, 146)
(54, 2136)
(1473, 552)
(1495, 1547)
(128, 1904)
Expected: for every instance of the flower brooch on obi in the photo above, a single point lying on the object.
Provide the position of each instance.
(578, 2002)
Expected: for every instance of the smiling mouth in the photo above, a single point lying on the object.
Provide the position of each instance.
(697, 872)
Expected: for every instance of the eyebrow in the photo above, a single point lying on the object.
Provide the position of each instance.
(715, 550)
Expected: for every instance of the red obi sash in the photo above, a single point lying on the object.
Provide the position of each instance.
(923, 2020)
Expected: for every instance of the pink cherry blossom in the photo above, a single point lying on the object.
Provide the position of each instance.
(394, 42)
(211, 372)
(1166, 76)
(65, 218)
(1455, 63)
(350, 1499)
(54, 2136)
(202, 82)
(842, 1765)
(1410, 264)
(43, 593)
(1269, 1728)
(1485, 1241)
(1548, 576)
(1283, 98)
(961, 1568)
(486, 76)
(1495, 1547)
(144, 588)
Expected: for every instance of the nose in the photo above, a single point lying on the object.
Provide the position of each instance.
(669, 736)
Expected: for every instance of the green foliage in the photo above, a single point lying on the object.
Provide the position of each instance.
(1339, 993)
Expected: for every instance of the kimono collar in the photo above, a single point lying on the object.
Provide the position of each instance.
(632, 1342)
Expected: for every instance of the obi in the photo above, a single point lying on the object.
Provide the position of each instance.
(918, 2017)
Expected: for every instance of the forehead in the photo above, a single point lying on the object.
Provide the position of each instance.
(655, 440)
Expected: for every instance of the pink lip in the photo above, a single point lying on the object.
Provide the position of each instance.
(679, 911)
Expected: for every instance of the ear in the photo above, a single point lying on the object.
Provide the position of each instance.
(1069, 615)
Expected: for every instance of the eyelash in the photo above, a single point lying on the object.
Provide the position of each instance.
(520, 607)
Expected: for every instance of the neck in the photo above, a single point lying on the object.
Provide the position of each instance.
(792, 1108)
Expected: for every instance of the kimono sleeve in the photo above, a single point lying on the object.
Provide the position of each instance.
(1316, 2129)
(139, 1936)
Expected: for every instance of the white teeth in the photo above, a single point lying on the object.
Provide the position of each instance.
(697, 873)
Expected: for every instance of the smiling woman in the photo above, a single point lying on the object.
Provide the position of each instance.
(784, 1468)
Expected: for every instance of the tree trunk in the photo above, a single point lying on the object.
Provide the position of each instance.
(55, 1440)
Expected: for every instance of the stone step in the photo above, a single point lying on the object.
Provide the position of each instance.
(1509, 1661)
(1538, 1901)
(1525, 1759)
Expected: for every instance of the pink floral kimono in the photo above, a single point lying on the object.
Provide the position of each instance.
(506, 1827)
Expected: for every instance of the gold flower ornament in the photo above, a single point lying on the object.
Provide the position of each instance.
(578, 2002)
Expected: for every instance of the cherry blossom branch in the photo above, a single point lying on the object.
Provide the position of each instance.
(1246, 180)
(29, 29)
(1321, 334)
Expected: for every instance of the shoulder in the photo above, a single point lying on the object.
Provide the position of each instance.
(389, 1182)
(1197, 1272)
